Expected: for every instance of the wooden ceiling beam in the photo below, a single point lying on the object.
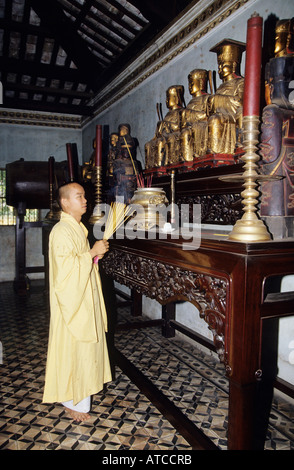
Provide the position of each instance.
(128, 13)
(52, 16)
(26, 67)
(80, 110)
(115, 44)
(130, 53)
(106, 25)
(98, 42)
(6, 35)
(82, 13)
(12, 25)
(80, 29)
(107, 12)
(48, 90)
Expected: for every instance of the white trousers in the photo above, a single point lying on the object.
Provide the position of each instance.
(82, 407)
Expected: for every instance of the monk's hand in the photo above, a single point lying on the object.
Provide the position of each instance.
(99, 248)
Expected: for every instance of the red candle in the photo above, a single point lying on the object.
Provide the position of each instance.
(253, 66)
(70, 162)
(98, 153)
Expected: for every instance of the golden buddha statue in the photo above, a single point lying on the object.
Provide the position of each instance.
(151, 147)
(284, 47)
(171, 124)
(194, 133)
(226, 105)
(284, 38)
(164, 148)
(88, 173)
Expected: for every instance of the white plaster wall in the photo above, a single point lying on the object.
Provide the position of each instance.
(34, 256)
(138, 107)
(7, 253)
(286, 338)
(36, 143)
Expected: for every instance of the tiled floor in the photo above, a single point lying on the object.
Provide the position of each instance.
(122, 417)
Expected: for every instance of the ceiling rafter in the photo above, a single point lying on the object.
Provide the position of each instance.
(102, 22)
(128, 13)
(52, 15)
(114, 17)
(55, 55)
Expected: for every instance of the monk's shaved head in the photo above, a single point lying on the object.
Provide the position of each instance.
(65, 190)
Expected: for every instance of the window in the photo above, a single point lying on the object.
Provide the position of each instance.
(8, 213)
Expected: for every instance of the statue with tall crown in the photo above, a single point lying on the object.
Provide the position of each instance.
(225, 106)
(194, 126)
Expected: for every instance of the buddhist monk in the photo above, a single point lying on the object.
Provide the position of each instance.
(77, 360)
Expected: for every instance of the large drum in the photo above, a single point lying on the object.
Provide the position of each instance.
(28, 183)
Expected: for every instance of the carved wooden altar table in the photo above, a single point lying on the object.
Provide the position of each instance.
(229, 282)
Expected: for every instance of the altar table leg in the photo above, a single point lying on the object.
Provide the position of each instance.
(254, 368)
(21, 282)
(244, 356)
(265, 386)
(241, 416)
(136, 306)
(168, 313)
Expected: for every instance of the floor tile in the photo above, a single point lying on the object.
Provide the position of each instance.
(122, 418)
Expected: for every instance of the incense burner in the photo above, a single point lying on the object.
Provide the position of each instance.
(151, 204)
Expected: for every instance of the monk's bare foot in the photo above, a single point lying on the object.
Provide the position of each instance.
(77, 416)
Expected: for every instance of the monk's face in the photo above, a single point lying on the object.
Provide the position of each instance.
(73, 200)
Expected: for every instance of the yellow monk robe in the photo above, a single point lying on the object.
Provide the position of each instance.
(77, 361)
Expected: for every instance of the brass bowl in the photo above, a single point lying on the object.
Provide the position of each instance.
(152, 202)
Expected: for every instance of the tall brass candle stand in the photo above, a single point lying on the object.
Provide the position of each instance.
(250, 228)
(97, 212)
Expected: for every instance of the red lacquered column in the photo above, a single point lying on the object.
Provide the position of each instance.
(70, 162)
(98, 153)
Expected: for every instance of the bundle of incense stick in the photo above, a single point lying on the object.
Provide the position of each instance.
(117, 215)
(141, 183)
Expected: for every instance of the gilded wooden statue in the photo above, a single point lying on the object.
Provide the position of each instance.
(194, 129)
(164, 148)
(284, 38)
(225, 106)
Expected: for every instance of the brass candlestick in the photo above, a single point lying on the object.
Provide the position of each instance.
(250, 228)
(97, 212)
(52, 215)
